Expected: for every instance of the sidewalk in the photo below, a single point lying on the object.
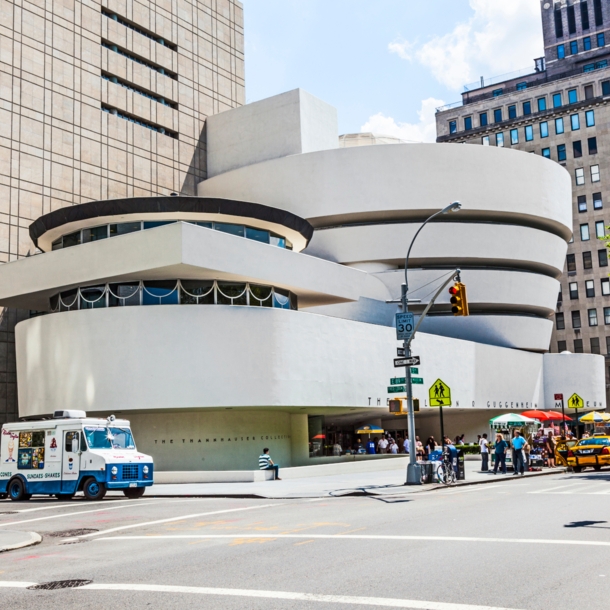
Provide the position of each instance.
(387, 482)
(17, 540)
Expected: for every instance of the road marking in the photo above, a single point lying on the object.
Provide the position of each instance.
(287, 595)
(182, 518)
(453, 491)
(72, 504)
(351, 537)
(546, 491)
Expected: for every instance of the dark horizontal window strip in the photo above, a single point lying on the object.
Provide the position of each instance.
(138, 121)
(112, 47)
(123, 83)
(139, 29)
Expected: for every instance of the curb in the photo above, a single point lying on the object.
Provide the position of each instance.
(506, 478)
(33, 538)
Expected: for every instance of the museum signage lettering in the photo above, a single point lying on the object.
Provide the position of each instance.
(234, 439)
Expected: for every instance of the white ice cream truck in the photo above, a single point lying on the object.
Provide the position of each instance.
(71, 453)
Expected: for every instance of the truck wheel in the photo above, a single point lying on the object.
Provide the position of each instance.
(16, 491)
(597, 467)
(94, 490)
(577, 468)
(64, 496)
(134, 493)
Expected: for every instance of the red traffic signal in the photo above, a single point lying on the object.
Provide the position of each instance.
(459, 303)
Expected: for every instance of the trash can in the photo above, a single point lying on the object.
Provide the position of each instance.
(451, 453)
(461, 470)
(428, 472)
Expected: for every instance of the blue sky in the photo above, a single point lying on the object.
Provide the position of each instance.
(385, 64)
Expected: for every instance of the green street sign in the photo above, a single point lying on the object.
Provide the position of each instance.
(397, 380)
(417, 380)
(414, 371)
(395, 389)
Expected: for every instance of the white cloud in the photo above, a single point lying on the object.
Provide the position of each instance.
(424, 131)
(501, 36)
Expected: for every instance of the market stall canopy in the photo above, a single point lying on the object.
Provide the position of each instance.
(544, 415)
(370, 430)
(595, 416)
(512, 419)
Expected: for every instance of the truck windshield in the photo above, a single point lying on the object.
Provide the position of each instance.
(109, 438)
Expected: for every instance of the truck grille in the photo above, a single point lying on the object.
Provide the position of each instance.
(130, 472)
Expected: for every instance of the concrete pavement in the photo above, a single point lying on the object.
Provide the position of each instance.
(11, 540)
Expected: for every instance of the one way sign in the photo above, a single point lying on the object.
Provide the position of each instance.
(413, 361)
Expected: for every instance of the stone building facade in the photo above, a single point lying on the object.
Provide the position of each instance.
(104, 100)
(559, 110)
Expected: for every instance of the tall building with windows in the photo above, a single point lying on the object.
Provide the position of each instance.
(103, 100)
(559, 110)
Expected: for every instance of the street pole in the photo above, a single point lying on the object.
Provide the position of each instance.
(563, 414)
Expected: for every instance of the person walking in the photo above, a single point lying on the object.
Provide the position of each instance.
(518, 443)
(500, 454)
(484, 453)
(550, 450)
(393, 448)
(266, 463)
(430, 445)
(382, 445)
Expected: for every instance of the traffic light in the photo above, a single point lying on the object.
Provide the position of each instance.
(459, 302)
(399, 406)
(396, 406)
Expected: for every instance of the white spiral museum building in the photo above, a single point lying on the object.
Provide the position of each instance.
(257, 313)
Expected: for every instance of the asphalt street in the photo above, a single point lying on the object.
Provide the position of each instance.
(522, 544)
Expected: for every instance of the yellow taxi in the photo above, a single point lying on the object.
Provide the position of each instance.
(591, 452)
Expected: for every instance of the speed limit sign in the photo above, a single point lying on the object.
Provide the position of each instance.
(404, 325)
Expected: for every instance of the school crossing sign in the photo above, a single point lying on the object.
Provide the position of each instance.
(576, 402)
(439, 394)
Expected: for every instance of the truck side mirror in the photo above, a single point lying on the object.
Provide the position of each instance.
(75, 445)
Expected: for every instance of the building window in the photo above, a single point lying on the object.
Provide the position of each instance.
(573, 287)
(561, 152)
(584, 232)
(606, 87)
(559, 126)
(595, 342)
(576, 319)
(514, 136)
(582, 203)
(580, 176)
(500, 139)
(602, 257)
(541, 104)
(498, 115)
(587, 260)
(497, 92)
(559, 295)
(544, 130)
(467, 123)
(574, 47)
(592, 317)
(592, 143)
(608, 345)
(485, 140)
(589, 289)
(600, 229)
(546, 152)
(590, 118)
(483, 119)
(527, 108)
(595, 173)
(578, 346)
(452, 126)
(575, 122)
(572, 96)
(561, 346)
(597, 201)
(584, 15)
(577, 149)
(605, 287)
(586, 43)
(601, 40)
(599, 16)
(571, 19)
(512, 112)
(558, 22)
(560, 322)
(529, 133)
(521, 86)
(571, 262)
(557, 100)
(561, 51)
(606, 315)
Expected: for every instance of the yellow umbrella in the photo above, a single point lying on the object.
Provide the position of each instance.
(369, 430)
(594, 417)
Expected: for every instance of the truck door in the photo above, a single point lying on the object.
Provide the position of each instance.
(70, 461)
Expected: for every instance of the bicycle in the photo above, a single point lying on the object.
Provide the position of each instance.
(445, 472)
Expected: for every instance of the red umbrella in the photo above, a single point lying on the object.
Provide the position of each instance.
(554, 415)
(544, 415)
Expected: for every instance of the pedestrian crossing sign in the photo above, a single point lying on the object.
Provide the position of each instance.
(440, 394)
(576, 402)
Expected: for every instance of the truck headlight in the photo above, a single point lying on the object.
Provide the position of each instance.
(145, 470)
(114, 470)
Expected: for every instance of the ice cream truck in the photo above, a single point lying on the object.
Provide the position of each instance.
(70, 453)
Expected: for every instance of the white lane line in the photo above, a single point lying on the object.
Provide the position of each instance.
(453, 491)
(16, 585)
(552, 489)
(352, 537)
(171, 519)
(72, 504)
(80, 512)
(287, 595)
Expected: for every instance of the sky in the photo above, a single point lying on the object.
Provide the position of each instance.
(386, 65)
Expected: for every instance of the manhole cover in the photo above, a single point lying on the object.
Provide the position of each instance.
(9, 512)
(60, 584)
(79, 541)
(70, 533)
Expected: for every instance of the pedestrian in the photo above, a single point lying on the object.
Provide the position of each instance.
(337, 449)
(430, 445)
(393, 448)
(484, 453)
(406, 445)
(500, 449)
(382, 445)
(518, 443)
(550, 448)
(419, 449)
(266, 463)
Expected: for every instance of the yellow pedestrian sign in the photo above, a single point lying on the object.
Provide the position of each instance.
(576, 402)
(440, 394)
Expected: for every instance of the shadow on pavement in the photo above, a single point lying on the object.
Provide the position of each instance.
(587, 524)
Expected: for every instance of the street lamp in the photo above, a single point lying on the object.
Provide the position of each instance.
(414, 469)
